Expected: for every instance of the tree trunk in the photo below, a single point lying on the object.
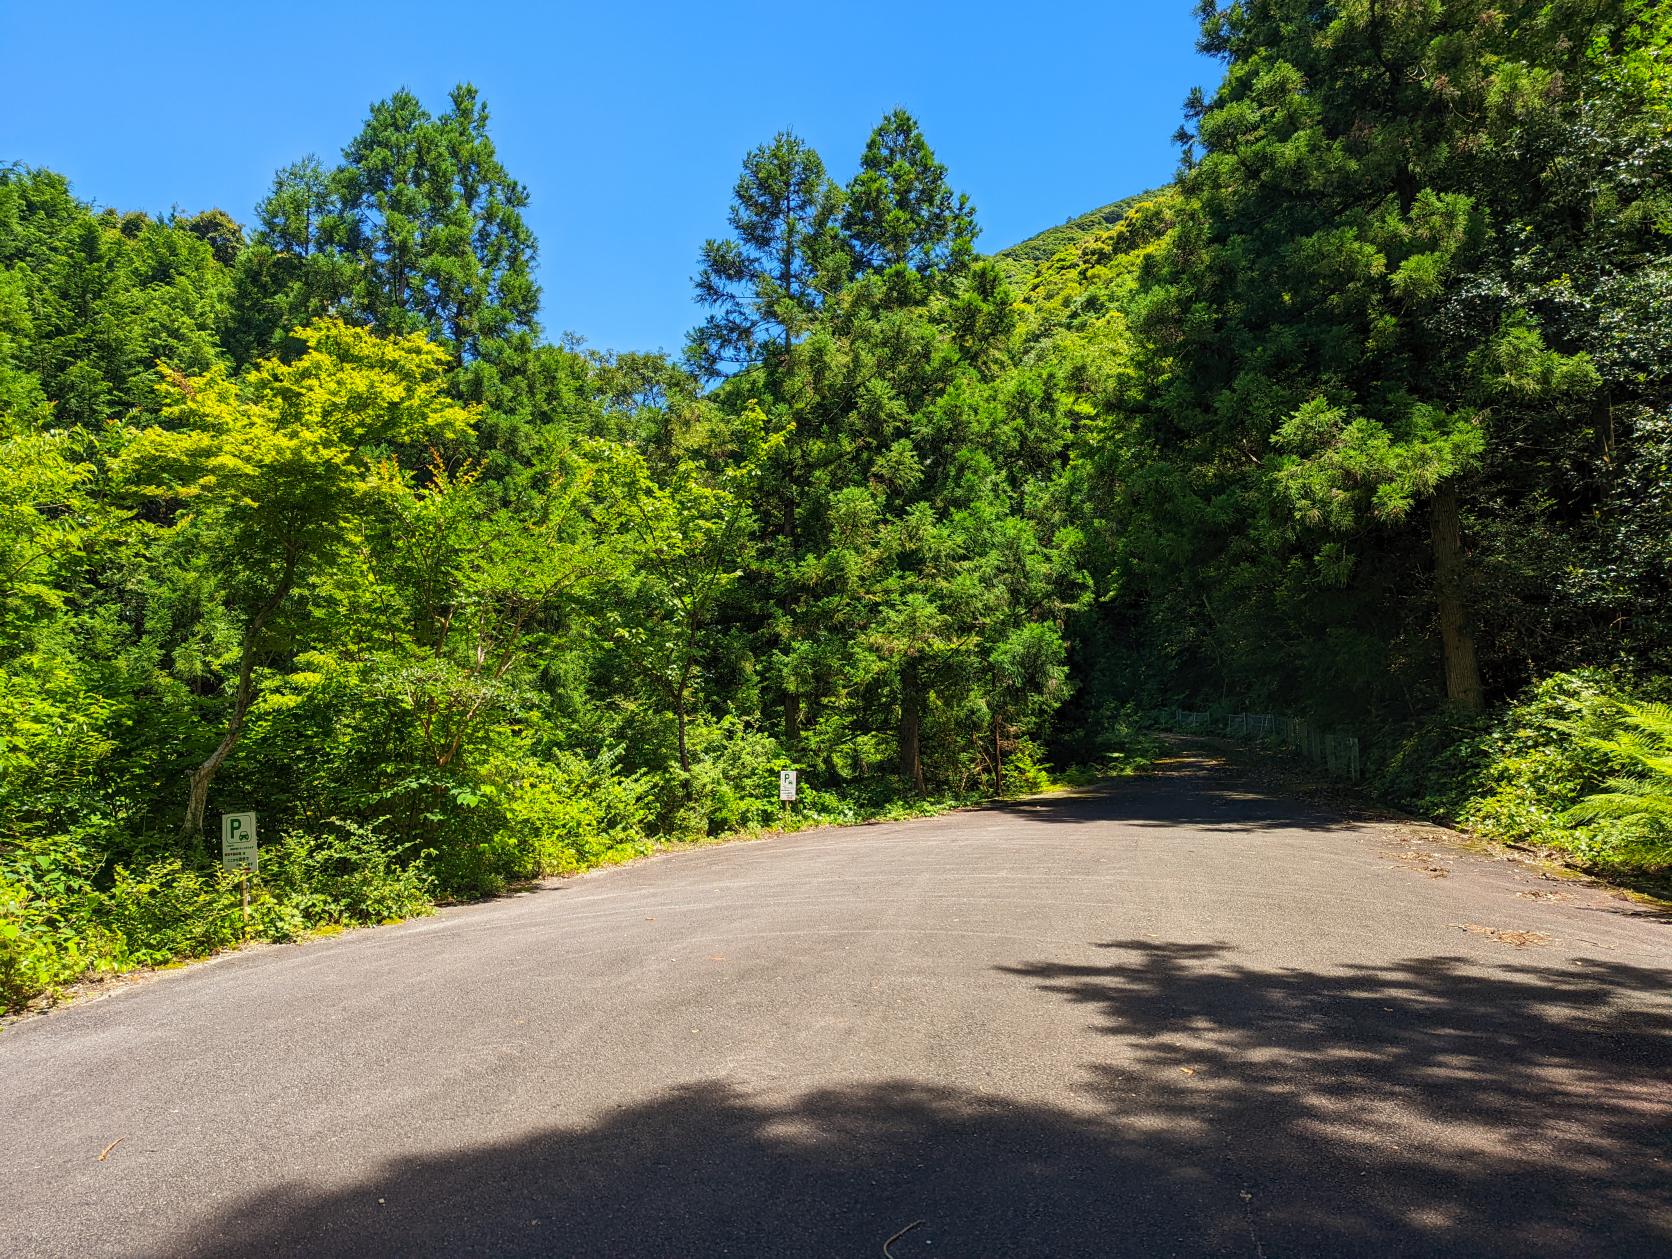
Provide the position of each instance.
(998, 758)
(1463, 686)
(197, 793)
(911, 727)
(792, 702)
(1602, 419)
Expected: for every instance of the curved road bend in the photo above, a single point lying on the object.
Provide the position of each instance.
(1175, 1016)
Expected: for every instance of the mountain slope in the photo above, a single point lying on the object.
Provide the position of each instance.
(1022, 259)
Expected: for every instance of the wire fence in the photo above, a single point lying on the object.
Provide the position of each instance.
(1330, 750)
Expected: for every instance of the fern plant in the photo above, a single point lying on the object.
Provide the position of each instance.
(1640, 798)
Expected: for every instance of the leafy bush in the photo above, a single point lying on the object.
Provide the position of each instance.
(344, 875)
(1535, 773)
(734, 777)
(46, 938)
(56, 928)
(1025, 770)
(1432, 766)
(1539, 759)
(169, 910)
(568, 813)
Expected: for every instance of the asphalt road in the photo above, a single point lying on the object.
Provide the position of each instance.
(1178, 1016)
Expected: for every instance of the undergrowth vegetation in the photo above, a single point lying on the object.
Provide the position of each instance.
(1579, 766)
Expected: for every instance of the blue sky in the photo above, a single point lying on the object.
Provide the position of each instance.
(626, 121)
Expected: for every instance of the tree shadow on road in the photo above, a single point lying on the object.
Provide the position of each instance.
(709, 1170)
(1432, 1104)
(1193, 793)
(1425, 1108)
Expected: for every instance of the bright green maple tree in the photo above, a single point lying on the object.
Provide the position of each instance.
(271, 476)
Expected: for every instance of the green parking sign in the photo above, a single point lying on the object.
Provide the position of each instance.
(238, 846)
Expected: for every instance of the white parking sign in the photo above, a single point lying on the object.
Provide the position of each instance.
(786, 784)
(238, 846)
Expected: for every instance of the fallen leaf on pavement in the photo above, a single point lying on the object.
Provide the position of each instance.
(1520, 939)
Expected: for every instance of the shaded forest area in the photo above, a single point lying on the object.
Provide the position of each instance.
(1366, 417)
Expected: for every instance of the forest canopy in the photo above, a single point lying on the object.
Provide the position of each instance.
(1365, 418)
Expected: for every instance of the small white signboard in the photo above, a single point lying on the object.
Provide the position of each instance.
(786, 784)
(238, 846)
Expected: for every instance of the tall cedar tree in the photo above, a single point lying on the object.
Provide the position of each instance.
(764, 286)
(1336, 213)
(419, 229)
(900, 211)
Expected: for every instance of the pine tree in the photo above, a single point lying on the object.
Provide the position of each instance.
(477, 265)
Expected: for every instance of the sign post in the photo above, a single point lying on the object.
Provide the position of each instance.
(239, 851)
(786, 790)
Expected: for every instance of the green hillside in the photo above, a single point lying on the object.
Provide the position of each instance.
(1022, 259)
